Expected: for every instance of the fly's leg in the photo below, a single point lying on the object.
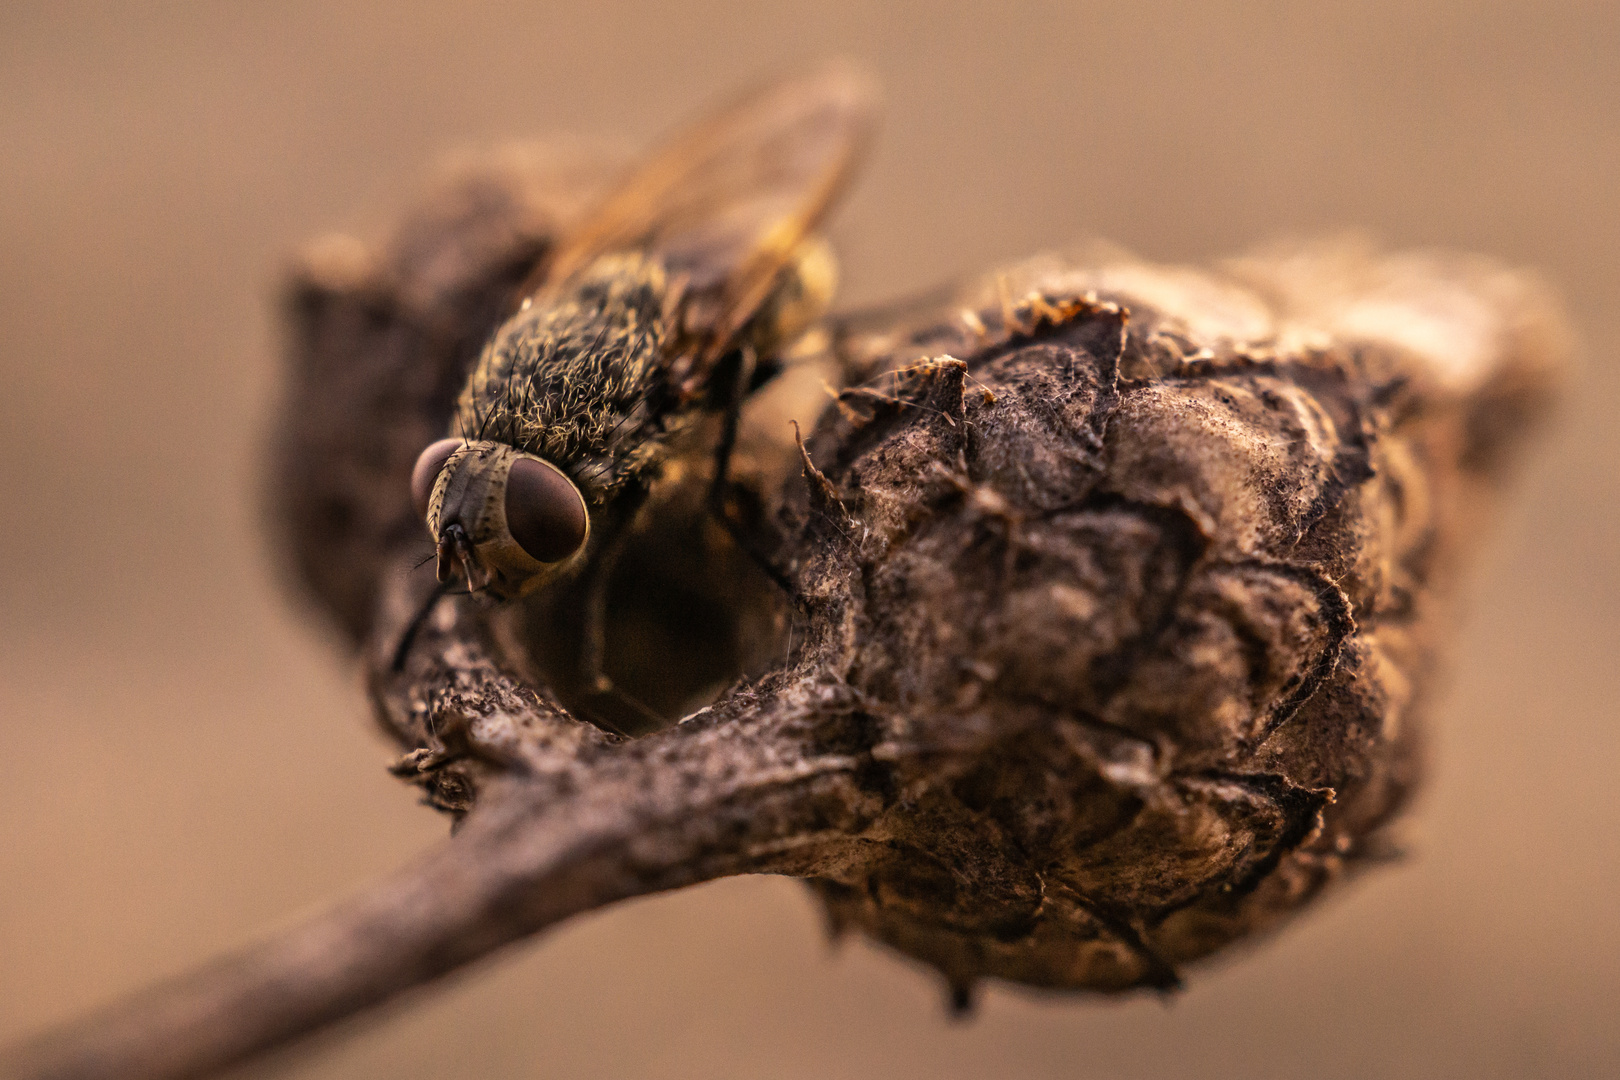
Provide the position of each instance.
(609, 706)
(718, 489)
(593, 615)
(718, 503)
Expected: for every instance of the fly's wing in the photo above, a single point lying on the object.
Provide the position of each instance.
(727, 204)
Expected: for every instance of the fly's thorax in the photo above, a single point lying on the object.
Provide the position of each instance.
(520, 519)
(576, 372)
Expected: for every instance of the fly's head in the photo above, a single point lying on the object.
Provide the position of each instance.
(507, 519)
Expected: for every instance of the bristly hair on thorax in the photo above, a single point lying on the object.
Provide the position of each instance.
(580, 378)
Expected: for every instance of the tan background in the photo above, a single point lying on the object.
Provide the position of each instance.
(186, 762)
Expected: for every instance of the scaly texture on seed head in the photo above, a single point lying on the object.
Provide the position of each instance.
(1142, 595)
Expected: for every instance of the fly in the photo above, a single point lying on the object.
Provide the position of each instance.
(671, 300)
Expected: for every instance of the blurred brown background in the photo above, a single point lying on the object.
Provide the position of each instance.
(187, 761)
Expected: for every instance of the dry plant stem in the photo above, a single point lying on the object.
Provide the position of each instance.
(536, 850)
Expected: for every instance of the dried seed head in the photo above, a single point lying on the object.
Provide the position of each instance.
(1176, 694)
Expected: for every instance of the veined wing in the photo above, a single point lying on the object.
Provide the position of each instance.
(727, 204)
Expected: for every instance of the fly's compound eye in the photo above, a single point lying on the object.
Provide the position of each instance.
(545, 512)
(426, 472)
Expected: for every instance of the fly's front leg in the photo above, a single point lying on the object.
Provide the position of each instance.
(407, 637)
